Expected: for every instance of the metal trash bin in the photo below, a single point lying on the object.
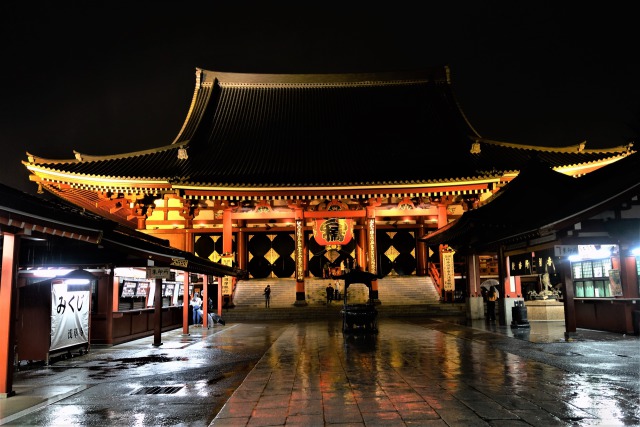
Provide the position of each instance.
(519, 315)
(636, 322)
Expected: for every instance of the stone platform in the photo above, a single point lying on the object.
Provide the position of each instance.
(541, 310)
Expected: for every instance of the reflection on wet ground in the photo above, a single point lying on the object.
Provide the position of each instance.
(538, 332)
(412, 372)
(425, 372)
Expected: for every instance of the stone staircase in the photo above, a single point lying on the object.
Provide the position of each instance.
(250, 293)
(412, 290)
(399, 296)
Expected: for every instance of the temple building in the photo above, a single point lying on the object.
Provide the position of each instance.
(282, 175)
(574, 255)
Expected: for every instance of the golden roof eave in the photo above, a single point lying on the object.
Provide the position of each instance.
(575, 148)
(52, 177)
(350, 187)
(82, 157)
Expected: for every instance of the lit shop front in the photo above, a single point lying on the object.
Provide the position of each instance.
(61, 274)
(54, 316)
(605, 286)
(63, 311)
(594, 285)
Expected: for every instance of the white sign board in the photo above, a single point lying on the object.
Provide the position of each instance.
(69, 316)
(565, 250)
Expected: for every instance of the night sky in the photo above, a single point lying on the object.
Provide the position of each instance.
(119, 77)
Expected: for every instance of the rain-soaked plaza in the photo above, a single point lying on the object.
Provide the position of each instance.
(425, 372)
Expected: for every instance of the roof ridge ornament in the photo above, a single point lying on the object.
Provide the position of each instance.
(182, 154)
(581, 146)
(475, 147)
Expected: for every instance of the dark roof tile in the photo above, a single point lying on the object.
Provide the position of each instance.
(287, 130)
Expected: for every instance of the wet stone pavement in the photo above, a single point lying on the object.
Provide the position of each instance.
(183, 382)
(423, 372)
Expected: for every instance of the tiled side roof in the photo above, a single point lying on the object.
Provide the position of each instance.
(306, 130)
(544, 200)
(24, 213)
(508, 157)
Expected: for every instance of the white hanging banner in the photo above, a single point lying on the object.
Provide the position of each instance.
(70, 305)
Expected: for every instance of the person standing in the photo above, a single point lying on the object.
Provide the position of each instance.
(196, 306)
(492, 297)
(267, 296)
(329, 290)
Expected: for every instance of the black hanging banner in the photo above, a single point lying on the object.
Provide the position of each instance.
(522, 265)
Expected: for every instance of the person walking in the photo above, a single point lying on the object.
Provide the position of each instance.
(267, 296)
(492, 297)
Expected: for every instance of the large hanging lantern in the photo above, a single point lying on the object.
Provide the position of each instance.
(333, 231)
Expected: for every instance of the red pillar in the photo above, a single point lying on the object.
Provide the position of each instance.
(10, 255)
(220, 296)
(629, 276)
(112, 301)
(300, 246)
(372, 250)
(443, 218)
(568, 298)
(227, 249)
(185, 304)
(241, 247)
(227, 231)
(157, 315)
(205, 301)
(361, 247)
(473, 275)
(421, 249)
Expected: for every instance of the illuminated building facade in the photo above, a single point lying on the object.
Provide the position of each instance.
(280, 174)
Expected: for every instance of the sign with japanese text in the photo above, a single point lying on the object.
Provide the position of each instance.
(448, 274)
(69, 314)
(565, 250)
(227, 285)
(179, 262)
(523, 264)
(333, 231)
(158, 273)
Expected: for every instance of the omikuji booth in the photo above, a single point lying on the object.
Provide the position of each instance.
(54, 316)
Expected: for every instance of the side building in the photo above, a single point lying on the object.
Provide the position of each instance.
(573, 256)
(66, 274)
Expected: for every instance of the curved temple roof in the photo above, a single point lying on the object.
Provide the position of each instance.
(296, 132)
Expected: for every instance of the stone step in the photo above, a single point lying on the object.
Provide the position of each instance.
(399, 296)
(332, 311)
(399, 290)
